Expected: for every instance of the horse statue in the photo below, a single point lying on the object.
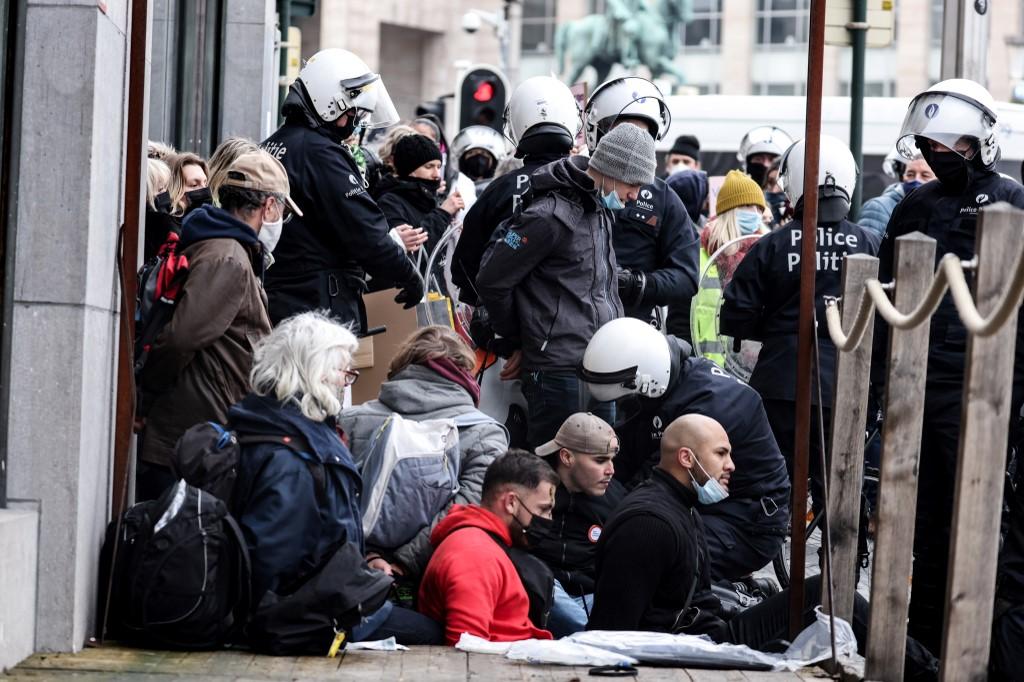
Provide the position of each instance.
(632, 33)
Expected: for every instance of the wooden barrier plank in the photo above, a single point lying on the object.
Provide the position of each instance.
(846, 465)
(901, 449)
(982, 456)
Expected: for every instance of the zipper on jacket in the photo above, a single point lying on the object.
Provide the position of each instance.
(547, 337)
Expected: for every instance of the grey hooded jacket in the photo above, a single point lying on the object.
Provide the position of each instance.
(419, 393)
(550, 282)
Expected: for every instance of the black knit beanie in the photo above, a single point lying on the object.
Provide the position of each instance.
(411, 152)
(687, 145)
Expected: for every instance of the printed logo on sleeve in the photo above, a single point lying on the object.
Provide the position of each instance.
(515, 240)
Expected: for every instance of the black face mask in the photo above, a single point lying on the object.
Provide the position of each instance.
(197, 198)
(759, 173)
(538, 529)
(431, 186)
(478, 167)
(951, 169)
(162, 202)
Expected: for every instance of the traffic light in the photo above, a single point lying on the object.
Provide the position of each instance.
(481, 94)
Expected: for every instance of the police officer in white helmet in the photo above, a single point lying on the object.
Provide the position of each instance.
(656, 244)
(476, 153)
(323, 257)
(954, 125)
(762, 301)
(760, 150)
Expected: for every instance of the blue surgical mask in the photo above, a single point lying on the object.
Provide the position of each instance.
(909, 187)
(748, 222)
(611, 199)
(711, 491)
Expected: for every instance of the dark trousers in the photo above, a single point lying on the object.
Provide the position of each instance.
(407, 627)
(769, 621)
(551, 397)
(151, 480)
(782, 418)
(738, 548)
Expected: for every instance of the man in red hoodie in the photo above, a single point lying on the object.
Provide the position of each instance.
(470, 584)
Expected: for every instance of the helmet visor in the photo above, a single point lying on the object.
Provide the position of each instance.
(948, 120)
(374, 104)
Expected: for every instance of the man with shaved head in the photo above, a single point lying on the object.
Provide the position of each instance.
(652, 559)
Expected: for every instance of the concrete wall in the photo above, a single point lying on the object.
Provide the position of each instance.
(19, 534)
(247, 96)
(63, 339)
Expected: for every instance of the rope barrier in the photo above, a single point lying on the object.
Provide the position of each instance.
(949, 276)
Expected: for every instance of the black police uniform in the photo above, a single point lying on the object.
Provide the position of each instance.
(762, 302)
(493, 206)
(322, 257)
(950, 218)
(655, 236)
(746, 530)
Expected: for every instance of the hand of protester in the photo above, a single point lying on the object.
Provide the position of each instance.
(411, 294)
(512, 366)
(631, 286)
(380, 564)
(412, 237)
(396, 569)
(442, 187)
(453, 203)
(139, 424)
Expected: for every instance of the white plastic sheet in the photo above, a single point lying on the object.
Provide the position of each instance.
(388, 644)
(565, 652)
(477, 645)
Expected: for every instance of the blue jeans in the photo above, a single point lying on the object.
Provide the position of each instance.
(569, 614)
(551, 397)
(405, 625)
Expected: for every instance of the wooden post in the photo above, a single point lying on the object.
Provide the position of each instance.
(849, 415)
(901, 449)
(982, 459)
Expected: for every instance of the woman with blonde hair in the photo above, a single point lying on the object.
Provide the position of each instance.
(158, 205)
(223, 156)
(430, 377)
(188, 185)
(302, 488)
(739, 209)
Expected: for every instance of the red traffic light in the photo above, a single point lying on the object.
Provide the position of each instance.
(484, 92)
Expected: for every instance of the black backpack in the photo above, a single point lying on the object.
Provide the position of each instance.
(305, 618)
(207, 456)
(178, 572)
(537, 579)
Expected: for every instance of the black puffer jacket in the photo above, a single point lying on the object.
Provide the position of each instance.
(407, 202)
(550, 283)
(570, 548)
(322, 256)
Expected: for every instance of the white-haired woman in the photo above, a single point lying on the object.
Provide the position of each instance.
(291, 523)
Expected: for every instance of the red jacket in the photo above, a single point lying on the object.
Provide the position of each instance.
(470, 584)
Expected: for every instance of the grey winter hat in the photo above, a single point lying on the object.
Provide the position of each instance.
(626, 154)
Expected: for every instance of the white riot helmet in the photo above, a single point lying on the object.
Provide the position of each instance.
(763, 140)
(338, 81)
(627, 357)
(837, 171)
(541, 104)
(957, 113)
(479, 137)
(633, 97)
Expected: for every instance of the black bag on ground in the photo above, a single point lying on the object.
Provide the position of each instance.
(304, 619)
(179, 572)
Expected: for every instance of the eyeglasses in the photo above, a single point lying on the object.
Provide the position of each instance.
(351, 376)
(286, 211)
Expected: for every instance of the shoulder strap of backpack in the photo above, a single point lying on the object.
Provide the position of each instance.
(476, 417)
(244, 579)
(300, 446)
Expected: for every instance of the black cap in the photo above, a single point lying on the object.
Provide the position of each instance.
(411, 152)
(687, 145)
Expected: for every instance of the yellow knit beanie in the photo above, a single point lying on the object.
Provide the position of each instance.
(739, 189)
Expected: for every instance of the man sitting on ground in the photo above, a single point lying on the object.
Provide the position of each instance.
(471, 584)
(652, 559)
(582, 454)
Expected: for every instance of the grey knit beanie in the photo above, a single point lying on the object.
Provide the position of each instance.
(626, 154)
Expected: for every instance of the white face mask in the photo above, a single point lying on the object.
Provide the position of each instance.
(270, 234)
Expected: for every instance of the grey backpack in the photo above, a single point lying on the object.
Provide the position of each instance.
(410, 474)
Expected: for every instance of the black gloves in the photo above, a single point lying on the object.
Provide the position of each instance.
(411, 294)
(631, 287)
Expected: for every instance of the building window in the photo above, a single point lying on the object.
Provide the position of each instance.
(936, 22)
(782, 22)
(538, 36)
(871, 89)
(704, 32)
(780, 89)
